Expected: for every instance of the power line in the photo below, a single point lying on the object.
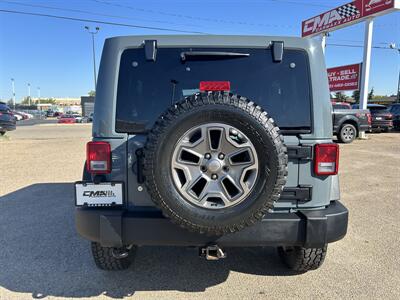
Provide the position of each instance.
(197, 18)
(354, 41)
(357, 46)
(89, 12)
(189, 17)
(298, 3)
(99, 22)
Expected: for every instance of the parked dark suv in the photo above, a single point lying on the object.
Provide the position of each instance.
(7, 119)
(395, 111)
(212, 142)
(382, 119)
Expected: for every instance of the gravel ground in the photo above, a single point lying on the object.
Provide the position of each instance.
(41, 255)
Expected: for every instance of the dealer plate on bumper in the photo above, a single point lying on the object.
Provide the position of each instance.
(101, 194)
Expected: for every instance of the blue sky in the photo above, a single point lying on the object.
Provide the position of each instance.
(56, 54)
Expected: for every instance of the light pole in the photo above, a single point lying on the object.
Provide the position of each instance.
(369, 27)
(94, 55)
(393, 46)
(13, 91)
(38, 95)
(29, 94)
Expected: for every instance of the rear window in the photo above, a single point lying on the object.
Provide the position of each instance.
(147, 88)
(378, 109)
(341, 106)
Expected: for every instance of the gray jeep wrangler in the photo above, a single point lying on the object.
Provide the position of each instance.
(211, 142)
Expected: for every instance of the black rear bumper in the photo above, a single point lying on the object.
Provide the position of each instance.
(383, 124)
(309, 228)
(7, 126)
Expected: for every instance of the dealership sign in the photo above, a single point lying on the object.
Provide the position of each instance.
(347, 14)
(344, 78)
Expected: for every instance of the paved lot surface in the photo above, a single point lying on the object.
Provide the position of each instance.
(41, 255)
(30, 122)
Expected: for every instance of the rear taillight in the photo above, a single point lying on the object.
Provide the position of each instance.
(215, 86)
(98, 157)
(326, 159)
(369, 118)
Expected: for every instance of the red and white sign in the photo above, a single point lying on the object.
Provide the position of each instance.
(347, 14)
(344, 78)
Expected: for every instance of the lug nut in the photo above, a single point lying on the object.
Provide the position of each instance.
(207, 155)
(203, 168)
(214, 176)
(226, 168)
(221, 156)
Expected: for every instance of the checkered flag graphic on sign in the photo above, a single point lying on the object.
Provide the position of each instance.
(348, 10)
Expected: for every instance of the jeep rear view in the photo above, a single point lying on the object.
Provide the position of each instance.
(211, 142)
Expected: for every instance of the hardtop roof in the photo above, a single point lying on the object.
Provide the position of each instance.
(213, 40)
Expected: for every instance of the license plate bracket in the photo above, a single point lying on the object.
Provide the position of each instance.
(99, 195)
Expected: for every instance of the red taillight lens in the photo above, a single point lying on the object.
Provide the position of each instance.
(326, 159)
(215, 86)
(98, 157)
(369, 118)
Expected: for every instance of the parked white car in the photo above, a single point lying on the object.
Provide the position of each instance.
(18, 116)
(29, 116)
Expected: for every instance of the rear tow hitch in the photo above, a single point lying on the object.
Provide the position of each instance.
(120, 253)
(212, 252)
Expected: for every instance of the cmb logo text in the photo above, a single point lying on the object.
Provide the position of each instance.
(98, 194)
(330, 19)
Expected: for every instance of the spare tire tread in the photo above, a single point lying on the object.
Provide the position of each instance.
(201, 99)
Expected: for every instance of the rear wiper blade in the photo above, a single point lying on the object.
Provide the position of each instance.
(200, 55)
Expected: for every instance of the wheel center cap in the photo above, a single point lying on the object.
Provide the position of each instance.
(214, 166)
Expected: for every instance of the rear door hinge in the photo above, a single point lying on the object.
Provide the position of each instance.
(300, 152)
(300, 193)
(139, 166)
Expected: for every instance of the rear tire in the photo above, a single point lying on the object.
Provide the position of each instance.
(302, 259)
(347, 133)
(105, 260)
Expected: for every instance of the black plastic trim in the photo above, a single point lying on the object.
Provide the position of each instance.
(302, 193)
(277, 51)
(300, 152)
(150, 50)
(191, 55)
(139, 166)
(294, 131)
(309, 228)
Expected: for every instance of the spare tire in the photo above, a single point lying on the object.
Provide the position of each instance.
(215, 163)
